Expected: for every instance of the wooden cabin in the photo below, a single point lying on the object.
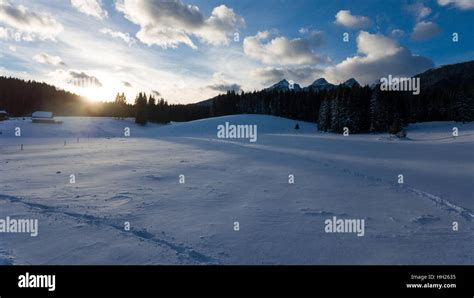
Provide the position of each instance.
(42, 117)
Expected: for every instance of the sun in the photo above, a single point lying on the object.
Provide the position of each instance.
(105, 92)
(99, 94)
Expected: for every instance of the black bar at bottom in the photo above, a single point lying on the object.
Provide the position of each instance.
(134, 281)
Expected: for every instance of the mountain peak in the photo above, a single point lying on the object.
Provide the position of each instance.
(319, 84)
(284, 85)
(351, 82)
(320, 81)
(374, 84)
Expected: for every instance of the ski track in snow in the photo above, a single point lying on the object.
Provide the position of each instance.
(464, 212)
(182, 250)
(440, 202)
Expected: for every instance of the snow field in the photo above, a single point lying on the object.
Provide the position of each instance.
(136, 179)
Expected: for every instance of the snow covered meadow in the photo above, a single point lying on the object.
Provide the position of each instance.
(177, 194)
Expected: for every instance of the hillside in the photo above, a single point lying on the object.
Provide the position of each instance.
(448, 75)
(20, 97)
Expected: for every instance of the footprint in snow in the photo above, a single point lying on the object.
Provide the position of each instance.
(314, 212)
(425, 219)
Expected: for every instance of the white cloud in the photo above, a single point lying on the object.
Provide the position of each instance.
(374, 46)
(461, 4)
(165, 38)
(28, 25)
(171, 23)
(44, 58)
(284, 51)
(11, 34)
(112, 62)
(120, 35)
(4, 33)
(378, 56)
(345, 19)
(425, 30)
(222, 22)
(397, 33)
(220, 84)
(419, 10)
(303, 30)
(90, 7)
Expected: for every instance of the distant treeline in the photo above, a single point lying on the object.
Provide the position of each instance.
(446, 93)
(360, 109)
(21, 98)
(158, 110)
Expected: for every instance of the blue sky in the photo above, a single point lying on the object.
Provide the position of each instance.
(187, 51)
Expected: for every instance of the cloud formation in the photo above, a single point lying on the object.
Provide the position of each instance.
(76, 78)
(220, 84)
(4, 33)
(127, 84)
(82, 79)
(419, 10)
(169, 23)
(397, 33)
(378, 56)
(28, 25)
(284, 51)
(44, 58)
(346, 19)
(222, 88)
(90, 7)
(301, 75)
(125, 37)
(461, 4)
(303, 30)
(425, 30)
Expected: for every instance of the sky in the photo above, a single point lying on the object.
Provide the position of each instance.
(186, 51)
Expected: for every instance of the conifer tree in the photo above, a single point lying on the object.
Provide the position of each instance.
(141, 109)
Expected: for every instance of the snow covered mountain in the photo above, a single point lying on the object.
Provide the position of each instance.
(319, 84)
(351, 82)
(284, 85)
(374, 84)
